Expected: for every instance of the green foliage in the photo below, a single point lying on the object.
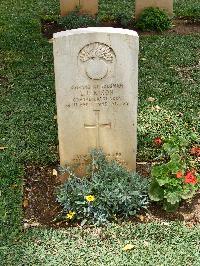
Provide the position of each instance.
(189, 9)
(121, 11)
(74, 21)
(49, 17)
(153, 19)
(111, 191)
(118, 16)
(164, 243)
(174, 180)
(124, 19)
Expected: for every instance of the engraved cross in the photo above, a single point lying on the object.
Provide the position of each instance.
(97, 126)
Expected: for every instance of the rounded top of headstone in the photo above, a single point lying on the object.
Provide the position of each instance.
(109, 30)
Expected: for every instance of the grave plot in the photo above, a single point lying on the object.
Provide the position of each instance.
(97, 95)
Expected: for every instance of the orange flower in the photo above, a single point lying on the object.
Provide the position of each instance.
(179, 174)
(190, 178)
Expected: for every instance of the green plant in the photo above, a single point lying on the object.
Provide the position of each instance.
(153, 19)
(176, 179)
(121, 11)
(49, 17)
(189, 9)
(74, 21)
(120, 17)
(108, 191)
(124, 19)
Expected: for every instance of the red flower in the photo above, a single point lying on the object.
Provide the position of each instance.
(158, 141)
(190, 178)
(179, 174)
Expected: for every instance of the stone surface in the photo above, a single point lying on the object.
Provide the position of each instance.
(96, 74)
(86, 6)
(140, 5)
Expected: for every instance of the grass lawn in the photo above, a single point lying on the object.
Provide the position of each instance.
(154, 244)
(187, 8)
(182, 8)
(169, 72)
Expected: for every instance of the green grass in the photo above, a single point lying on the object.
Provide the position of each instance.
(169, 72)
(182, 8)
(120, 10)
(187, 8)
(154, 244)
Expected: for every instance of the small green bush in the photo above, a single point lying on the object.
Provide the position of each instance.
(108, 192)
(75, 21)
(153, 19)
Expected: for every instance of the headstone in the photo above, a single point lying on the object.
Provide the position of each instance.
(140, 5)
(86, 6)
(96, 76)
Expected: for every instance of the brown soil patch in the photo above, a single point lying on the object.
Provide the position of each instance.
(185, 27)
(41, 208)
(189, 212)
(48, 28)
(181, 27)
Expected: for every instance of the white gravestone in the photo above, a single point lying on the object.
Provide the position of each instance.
(96, 76)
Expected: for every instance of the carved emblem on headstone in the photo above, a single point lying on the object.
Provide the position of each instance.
(97, 59)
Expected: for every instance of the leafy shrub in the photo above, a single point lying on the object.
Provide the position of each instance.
(107, 192)
(153, 19)
(75, 21)
(177, 179)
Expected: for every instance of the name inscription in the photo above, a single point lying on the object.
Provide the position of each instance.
(101, 95)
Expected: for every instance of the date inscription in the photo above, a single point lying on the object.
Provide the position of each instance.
(83, 160)
(99, 95)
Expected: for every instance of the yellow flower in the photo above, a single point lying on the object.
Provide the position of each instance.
(128, 247)
(70, 215)
(90, 198)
